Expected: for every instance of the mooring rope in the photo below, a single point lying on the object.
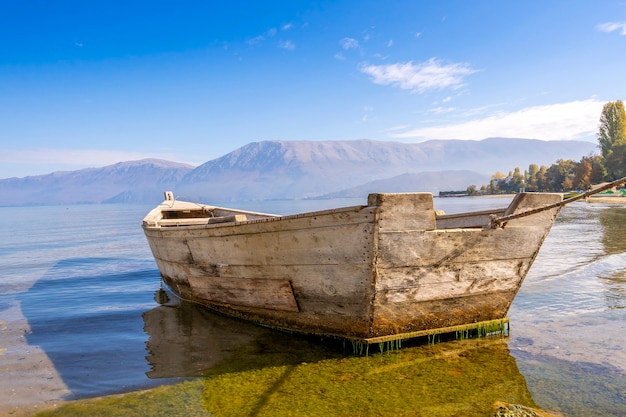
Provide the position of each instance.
(496, 222)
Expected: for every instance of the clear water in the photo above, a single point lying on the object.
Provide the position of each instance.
(78, 315)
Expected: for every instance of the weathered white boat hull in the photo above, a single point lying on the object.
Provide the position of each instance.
(385, 269)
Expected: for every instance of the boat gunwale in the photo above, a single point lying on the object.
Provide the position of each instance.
(271, 217)
(267, 217)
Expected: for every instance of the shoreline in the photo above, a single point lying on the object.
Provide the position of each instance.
(618, 199)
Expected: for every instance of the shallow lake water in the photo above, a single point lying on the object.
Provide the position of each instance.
(82, 315)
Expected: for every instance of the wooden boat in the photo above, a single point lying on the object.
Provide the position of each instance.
(389, 269)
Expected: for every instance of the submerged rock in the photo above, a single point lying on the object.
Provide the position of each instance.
(516, 410)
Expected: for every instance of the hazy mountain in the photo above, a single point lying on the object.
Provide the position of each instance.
(296, 169)
(136, 181)
(299, 169)
(432, 182)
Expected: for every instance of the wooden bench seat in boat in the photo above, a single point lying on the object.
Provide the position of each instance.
(202, 220)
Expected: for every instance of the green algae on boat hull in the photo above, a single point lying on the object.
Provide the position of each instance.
(293, 377)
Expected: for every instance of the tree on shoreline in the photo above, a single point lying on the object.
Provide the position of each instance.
(565, 175)
(612, 138)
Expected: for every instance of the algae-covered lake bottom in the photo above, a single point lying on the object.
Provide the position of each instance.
(282, 375)
(82, 333)
(277, 376)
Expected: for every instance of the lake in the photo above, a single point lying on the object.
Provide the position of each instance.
(82, 315)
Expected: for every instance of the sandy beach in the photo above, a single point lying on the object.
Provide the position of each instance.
(593, 199)
(616, 200)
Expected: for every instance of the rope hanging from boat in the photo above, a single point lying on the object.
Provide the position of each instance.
(496, 222)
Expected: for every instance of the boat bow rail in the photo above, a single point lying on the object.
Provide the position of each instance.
(176, 213)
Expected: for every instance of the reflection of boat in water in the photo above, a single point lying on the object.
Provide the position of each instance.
(390, 269)
(185, 339)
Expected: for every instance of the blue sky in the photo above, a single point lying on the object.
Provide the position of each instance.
(92, 83)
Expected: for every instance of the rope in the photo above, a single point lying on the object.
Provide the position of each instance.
(496, 222)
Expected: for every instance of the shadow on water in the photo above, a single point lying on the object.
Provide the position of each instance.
(187, 340)
(85, 313)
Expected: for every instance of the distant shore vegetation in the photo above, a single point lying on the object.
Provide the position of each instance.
(566, 174)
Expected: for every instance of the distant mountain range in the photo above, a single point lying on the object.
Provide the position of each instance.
(294, 170)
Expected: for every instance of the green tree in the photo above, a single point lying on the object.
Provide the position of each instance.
(612, 138)
(615, 164)
(558, 175)
(497, 183)
(531, 178)
(598, 172)
(517, 181)
(542, 179)
(582, 173)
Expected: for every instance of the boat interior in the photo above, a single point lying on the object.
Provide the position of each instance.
(175, 213)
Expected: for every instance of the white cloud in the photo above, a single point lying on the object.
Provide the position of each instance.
(286, 26)
(442, 110)
(612, 27)
(289, 45)
(563, 121)
(396, 128)
(269, 34)
(256, 40)
(420, 77)
(349, 43)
